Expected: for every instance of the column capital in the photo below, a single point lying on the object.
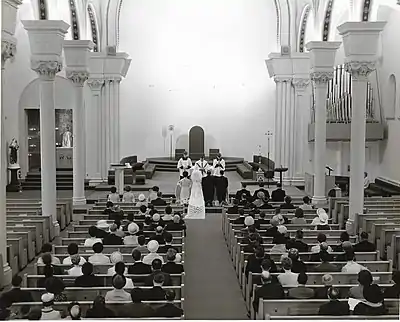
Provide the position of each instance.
(112, 78)
(282, 79)
(46, 69)
(8, 50)
(360, 69)
(77, 77)
(322, 77)
(301, 83)
(95, 84)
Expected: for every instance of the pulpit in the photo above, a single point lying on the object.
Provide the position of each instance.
(64, 158)
(119, 176)
(280, 171)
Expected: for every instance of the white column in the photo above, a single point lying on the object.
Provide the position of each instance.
(94, 160)
(321, 87)
(116, 83)
(302, 107)
(278, 117)
(107, 121)
(322, 60)
(8, 49)
(46, 39)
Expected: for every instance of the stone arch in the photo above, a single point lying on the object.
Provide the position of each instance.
(366, 10)
(303, 28)
(93, 26)
(74, 20)
(284, 24)
(327, 20)
(43, 10)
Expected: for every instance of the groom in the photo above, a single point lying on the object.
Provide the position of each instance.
(208, 188)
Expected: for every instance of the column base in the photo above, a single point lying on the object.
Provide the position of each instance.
(79, 201)
(319, 200)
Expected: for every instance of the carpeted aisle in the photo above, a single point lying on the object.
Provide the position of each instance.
(211, 287)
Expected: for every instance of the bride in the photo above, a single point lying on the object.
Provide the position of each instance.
(196, 208)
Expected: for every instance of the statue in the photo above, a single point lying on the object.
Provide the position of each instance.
(14, 147)
(67, 139)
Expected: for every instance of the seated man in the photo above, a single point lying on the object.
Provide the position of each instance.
(136, 309)
(113, 238)
(128, 196)
(138, 267)
(306, 204)
(288, 203)
(240, 220)
(344, 236)
(299, 217)
(278, 195)
(261, 220)
(316, 257)
(298, 243)
(326, 266)
(156, 266)
(352, 266)
(169, 310)
(298, 265)
(159, 201)
(171, 267)
(364, 245)
(269, 290)
(158, 236)
(261, 189)
(16, 294)
(73, 249)
(167, 243)
(334, 307)
(88, 279)
(99, 257)
(176, 225)
(346, 247)
(301, 291)
(321, 238)
(156, 293)
(117, 293)
(242, 191)
(322, 292)
(235, 207)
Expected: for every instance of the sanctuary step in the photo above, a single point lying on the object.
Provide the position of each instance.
(64, 180)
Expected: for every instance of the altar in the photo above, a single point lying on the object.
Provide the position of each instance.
(64, 158)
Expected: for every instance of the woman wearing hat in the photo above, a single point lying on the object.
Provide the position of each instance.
(321, 219)
(132, 239)
(142, 200)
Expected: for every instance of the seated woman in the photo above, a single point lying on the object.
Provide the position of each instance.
(299, 217)
(47, 249)
(288, 203)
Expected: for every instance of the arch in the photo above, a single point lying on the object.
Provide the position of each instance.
(284, 23)
(327, 20)
(43, 10)
(196, 142)
(93, 26)
(303, 27)
(112, 22)
(74, 20)
(366, 10)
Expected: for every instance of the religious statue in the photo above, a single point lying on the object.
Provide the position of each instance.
(67, 139)
(14, 147)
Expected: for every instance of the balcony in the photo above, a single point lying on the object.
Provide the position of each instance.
(339, 110)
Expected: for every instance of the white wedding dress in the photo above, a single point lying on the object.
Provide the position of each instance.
(196, 208)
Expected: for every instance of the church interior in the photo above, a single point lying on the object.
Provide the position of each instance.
(286, 111)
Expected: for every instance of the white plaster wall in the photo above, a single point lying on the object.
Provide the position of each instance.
(197, 62)
(59, 10)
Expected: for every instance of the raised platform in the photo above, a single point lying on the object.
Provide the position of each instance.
(168, 165)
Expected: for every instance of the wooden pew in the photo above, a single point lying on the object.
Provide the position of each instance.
(85, 228)
(28, 243)
(62, 249)
(90, 293)
(393, 251)
(344, 317)
(37, 237)
(31, 280)
(386, 236)
(18, 250)
(86, 305)
(80, 236)
(44, 221)
(12, 259)
(305, 307)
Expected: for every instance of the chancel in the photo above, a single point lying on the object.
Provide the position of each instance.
(200, 159)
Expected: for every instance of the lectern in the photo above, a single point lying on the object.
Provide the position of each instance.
(119, 176)
(280, 171)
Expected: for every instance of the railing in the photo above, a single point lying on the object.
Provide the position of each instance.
(339, 99)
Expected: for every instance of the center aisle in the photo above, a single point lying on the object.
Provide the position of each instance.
(211, 288)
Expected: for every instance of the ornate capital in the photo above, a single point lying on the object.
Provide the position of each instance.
(77, 77)
(321, 77)
(8, 50)
(283, 79)
(360, 69)
(301, 83)
(95, 84)
(46, 69)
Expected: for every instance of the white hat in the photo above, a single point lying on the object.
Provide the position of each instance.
(249, 221)
(282, 229)
(102, 224)
(159, 229)
(133, 228)
(116, 257)
(156, 217)
(47, 297)
(323, 216)
(152, 246)
(142, 197)
(178, 258)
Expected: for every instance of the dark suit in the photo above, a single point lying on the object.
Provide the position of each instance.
(221, 188)
(334, 308)
(208, 189)
(392, 292)
(287, 206)
(341, 258)
(266, 206)
(156, 293)
(315, 257)
(254, 264)
(301, 292)
(100, 233)
(271, 291)
(266, 193)
(135, 310)
(298, 266)
(301, 246)
(260, 222)
(271, 232)
(364, 309)
(240, 192)
(175, 227)
(326, 268)
(88, 281)
(159, 202)
(169, 310)
(149, 279)
(172, 268)
(159, 238)
(364, 246)
(239, 220)
(233, 210)
(112, 239)
(17, 295)
(278, 195)
(139, 268)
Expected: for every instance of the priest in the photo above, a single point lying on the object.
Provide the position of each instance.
(218, 165)
(184, 164)
(202, 165)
